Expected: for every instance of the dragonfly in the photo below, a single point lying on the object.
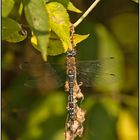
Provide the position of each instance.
(52, 76)
(45, 75)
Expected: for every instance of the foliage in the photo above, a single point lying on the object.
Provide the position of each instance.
(53, 17)
(12, 31)
(55, 46)
(31, 27)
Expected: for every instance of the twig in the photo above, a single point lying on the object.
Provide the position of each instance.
(86, 13)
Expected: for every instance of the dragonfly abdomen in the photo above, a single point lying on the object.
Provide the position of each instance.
(71, 101)
(71, 75)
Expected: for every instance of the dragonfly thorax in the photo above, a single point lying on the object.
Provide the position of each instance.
(70, 74)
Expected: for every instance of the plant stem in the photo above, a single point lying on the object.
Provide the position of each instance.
(86, 13)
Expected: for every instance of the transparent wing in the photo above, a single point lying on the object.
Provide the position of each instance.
(93, 66)
(96, 72)
(41, 68)
(44, 76)
(47, 75)
(90, 79)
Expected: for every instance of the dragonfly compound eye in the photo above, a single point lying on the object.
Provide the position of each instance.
(71, 53)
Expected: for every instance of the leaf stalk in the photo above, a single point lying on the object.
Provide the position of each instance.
(86, 13)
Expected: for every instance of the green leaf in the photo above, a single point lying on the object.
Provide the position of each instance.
(12, 31)
(78, 38)
(37, 18)
(7, 6)
(71, 7)
(67, 4)
(59, 22)
(55, 46)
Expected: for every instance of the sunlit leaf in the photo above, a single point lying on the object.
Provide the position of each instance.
(78, 38)
(12, 31)
(7, 6)
(59, 22)
(37, 18)
(55, 46)
(67, 4)
(126, 124)
(71, 7)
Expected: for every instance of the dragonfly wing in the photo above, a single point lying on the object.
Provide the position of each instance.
(44, 76)
(82, 78)
(92, 79)
(44, 82)
(94, 66)
(40, 68)
(90, 71)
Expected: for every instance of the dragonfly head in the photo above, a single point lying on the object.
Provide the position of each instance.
(71, 53)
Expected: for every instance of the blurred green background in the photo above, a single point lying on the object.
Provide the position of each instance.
(112, 109)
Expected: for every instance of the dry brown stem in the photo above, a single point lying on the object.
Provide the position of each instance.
(71, 132)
